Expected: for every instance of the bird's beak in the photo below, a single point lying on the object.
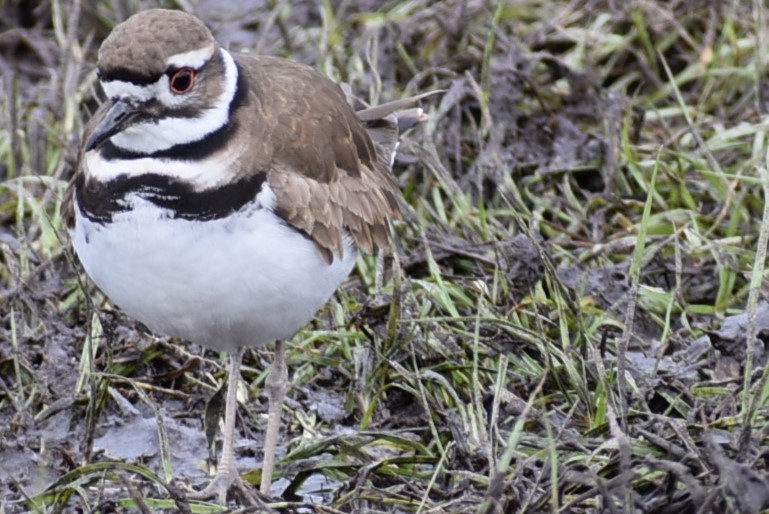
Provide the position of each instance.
(119, 115)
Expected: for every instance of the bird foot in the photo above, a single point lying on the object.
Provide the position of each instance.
(219, 486)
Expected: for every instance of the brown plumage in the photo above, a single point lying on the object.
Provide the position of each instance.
(190, 179)
(160, 33)
(329, 175)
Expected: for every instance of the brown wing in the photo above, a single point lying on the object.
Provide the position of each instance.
(327, 173)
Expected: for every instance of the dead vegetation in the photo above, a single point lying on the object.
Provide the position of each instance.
(575, 321)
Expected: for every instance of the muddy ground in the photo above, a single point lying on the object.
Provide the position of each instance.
(569, 325)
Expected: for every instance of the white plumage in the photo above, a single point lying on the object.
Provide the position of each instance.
(242, 280)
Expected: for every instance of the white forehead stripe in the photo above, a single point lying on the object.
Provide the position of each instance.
(123, 89)
(193, 59)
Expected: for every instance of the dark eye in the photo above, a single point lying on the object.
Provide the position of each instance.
(182, 81)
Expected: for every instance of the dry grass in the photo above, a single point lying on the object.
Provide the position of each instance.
(575, 321)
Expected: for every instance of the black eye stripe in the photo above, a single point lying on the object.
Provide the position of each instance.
(140, 79)
(126, 75)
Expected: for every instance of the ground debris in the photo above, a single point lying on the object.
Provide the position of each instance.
(585, 158)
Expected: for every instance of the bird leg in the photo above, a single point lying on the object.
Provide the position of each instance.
(226, 473)
(276, 389)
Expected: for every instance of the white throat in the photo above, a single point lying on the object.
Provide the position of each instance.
(165, 133)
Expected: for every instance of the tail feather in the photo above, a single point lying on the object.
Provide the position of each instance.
(408, 118)
(385, 109)
(386, 122)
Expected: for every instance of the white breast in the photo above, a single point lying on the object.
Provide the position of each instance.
(243, 280)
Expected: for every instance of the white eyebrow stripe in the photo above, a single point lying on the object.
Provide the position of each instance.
(193, 59)
(124, 89)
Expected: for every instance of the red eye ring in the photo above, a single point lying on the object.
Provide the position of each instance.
(182, 80)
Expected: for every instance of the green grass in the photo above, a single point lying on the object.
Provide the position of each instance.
(584, 218)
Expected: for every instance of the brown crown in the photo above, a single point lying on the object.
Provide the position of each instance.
(141, 45)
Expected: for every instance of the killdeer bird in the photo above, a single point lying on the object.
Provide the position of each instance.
(222, 198)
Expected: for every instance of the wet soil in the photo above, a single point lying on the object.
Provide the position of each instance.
(545, 130)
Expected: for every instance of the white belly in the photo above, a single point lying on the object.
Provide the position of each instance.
(239, 281)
